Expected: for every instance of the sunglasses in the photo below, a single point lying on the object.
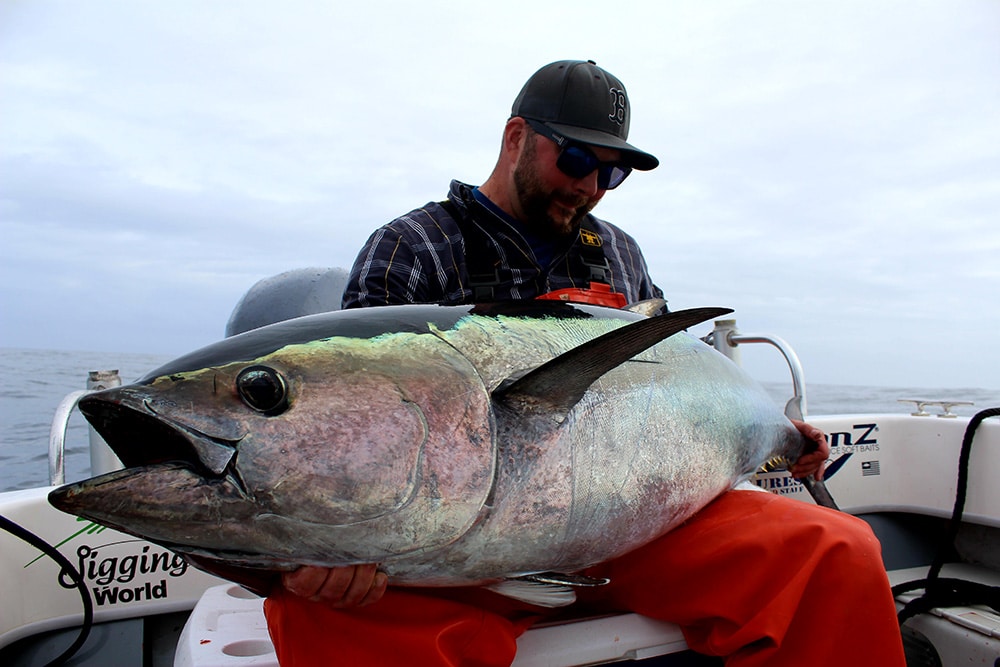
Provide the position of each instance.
(576, 160)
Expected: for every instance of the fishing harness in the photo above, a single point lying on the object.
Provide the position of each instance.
(483, 261)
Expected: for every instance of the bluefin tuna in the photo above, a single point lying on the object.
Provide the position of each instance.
(453, 445)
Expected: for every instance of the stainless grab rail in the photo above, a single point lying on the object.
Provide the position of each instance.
(725, 338)
(102, 459)
(57, 436)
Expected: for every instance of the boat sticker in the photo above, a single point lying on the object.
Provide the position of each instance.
(833, 466)
(861, 438)
(781, 483)
(869, 468)
(91, 528)
(122, 570)
(843, 445)
(135, 576)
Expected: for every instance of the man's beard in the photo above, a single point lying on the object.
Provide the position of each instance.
(535, 200)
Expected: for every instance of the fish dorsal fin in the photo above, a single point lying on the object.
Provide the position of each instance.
(547, 589)
(558, 384)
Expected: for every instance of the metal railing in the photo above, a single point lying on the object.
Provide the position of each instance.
(102, 459)
(726, 338)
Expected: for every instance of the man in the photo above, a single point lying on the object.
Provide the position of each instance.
(755, 577)
(519, 234)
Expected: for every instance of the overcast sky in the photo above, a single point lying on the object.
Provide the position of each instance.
(829, 169)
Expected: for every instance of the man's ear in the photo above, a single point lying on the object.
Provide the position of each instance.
(515, 133)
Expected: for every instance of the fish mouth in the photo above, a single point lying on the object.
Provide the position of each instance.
(133, 501)
(140, 435)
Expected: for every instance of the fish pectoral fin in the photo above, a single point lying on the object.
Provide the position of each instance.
(557, 385)
(533, 592)
(546, 589)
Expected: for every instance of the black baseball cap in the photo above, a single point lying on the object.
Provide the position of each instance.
(580, 101)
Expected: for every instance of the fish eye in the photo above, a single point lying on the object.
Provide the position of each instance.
(263, 389)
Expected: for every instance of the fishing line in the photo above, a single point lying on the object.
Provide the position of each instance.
(67, 569)
(940, 592)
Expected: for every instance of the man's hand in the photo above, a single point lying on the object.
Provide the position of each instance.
(812, 460)
(337, 587)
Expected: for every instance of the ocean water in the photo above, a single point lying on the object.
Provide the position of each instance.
(35, 381)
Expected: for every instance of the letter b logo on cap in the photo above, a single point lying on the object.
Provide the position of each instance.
(619, 104)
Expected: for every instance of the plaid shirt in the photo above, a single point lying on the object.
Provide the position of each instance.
(420, 257)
